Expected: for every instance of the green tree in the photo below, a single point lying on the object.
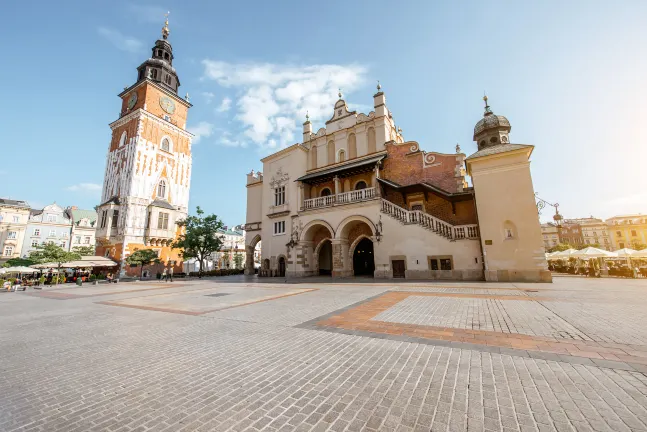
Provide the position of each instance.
(142, 257)
(18, 262)
(84, 250)
(238, 260)
(199, 238)
(638, 245)
(560, 247)
(594, 245)
(54, 254)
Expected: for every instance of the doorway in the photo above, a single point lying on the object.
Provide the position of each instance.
(363, 260)
(325, 259)
(282, 267)
(398, 268)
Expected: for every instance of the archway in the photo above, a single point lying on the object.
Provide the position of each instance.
(363, 259)
(250, 251)
(324, 258)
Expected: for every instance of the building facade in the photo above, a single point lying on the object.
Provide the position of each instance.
(571, 233)
(48, 225)
(550, 235)
(14, 216)
(595, 232)
(355, 198)
(628, 231)
(84, 226)
(148, 167)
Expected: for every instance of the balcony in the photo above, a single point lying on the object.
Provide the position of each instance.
(340, 199)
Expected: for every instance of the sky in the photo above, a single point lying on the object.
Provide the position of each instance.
(570, 76)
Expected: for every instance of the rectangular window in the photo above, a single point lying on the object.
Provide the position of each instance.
(115, 218)
(52, 233)
(16, 219)
(62, 244)
(622, 245)
(445, 264)
(162, 221)
(8, 251)
(36, 232)
(104, 218)
(433, 264)
(51, 218)
(77, 239)
(86, 240)
(279, 228)
(12, 234)
(34, 243)
(619, 234)
(64, 234)
(633, 233)
(279, 196)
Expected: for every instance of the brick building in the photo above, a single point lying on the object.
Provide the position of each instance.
(148, 168)
(355, 198)
(571, 233)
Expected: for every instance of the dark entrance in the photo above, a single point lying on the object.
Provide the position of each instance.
(325, 258)
(281, 267)
(363, 262)
(398, 268)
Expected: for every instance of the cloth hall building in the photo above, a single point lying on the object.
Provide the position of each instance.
(355, 198)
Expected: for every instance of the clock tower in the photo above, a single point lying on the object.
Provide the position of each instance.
(148, 167)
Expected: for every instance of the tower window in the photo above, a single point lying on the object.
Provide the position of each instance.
(159, 53)
(166, 56)
(493, 140)
(161, 189)
(166, 145)
(154, 73)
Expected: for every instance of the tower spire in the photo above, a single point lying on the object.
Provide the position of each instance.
(165, 30)
(488, 111)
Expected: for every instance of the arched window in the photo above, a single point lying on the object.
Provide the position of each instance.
(154, 73)
(166, 145)
(370, 137)
(331, 152)
(313, 157)
(352, 146)
(360, 185)
(325, 192)
(122, 140)
(161, 189)
(342, 156)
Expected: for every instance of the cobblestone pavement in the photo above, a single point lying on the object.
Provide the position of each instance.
(70, 363)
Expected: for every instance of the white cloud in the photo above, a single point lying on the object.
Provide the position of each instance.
(122, 42)
(84, 187)
(224, 105)
(202, 129)
(275, 97)
(208, 97)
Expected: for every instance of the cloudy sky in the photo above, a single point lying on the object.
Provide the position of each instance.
(570, 78)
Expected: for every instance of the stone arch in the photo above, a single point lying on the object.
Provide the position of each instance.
(361, 183)
(311, 228)
(324, 243)
(325, 192)
(509, 230)
(249, 254)
(344, 227)
(352, 146)
(370, 138)
(313, 157)
(353, 245)
(362, 262)
(341, 155)
(281, 265)
(331, 152)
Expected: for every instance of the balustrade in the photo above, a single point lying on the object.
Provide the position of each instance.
(342, 198)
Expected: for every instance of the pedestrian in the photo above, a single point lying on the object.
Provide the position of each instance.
(165, 275)
(170, 273)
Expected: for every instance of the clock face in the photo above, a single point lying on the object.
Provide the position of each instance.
(132, 100)
(167, 104)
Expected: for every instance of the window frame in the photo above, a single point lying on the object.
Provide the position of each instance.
(279, 228)
(162, 220)
(279, 195)
(12, 237)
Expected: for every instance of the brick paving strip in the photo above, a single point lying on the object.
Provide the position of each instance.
(198, 313)
(357, 319)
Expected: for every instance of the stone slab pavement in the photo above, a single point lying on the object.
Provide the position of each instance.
(83, 362)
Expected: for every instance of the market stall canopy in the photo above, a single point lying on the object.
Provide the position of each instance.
(591, 252)
(85, 261)
(625, 252)
(563, 254)
(640, 254)
(19, 269)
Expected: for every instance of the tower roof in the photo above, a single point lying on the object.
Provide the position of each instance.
(159, 67)
(490, 121)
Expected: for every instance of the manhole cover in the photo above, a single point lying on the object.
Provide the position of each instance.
(217, 295)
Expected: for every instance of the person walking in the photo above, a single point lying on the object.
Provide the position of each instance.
(170, 273)
(165, 275)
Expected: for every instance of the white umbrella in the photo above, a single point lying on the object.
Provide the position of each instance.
(19, 269)
(563, 254)
(591, 252)
(640, 254)
(625, 253)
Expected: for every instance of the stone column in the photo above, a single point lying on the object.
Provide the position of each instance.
(374, 177)
(300, 196)
(249, 260)
(340, 267)
(337, 185)
(305, 263)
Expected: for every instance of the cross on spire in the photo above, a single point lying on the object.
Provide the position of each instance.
(165, 30)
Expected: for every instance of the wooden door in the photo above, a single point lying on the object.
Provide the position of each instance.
(398, 268)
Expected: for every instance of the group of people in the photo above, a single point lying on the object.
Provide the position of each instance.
(167, 274)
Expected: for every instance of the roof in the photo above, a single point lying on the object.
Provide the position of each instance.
(163, 204)
(78, 214)
(231, 232)
(500, 148)
(14, 203)
(113, 200)
(342, 167)
(491, 121)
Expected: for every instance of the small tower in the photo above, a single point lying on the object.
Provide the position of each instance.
(505, 204)
(307, 129)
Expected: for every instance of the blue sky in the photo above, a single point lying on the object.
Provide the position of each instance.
(570, 76)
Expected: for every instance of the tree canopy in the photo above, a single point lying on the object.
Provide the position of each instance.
(638, 245)
(142, 257)
(84, 250)
(18, 262)
(199, 238)
(52, 253)
(561, 247)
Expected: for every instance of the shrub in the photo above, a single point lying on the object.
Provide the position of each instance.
(218, 272)
(92, 278)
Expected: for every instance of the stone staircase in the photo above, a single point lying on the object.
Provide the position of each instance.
(429, 222)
